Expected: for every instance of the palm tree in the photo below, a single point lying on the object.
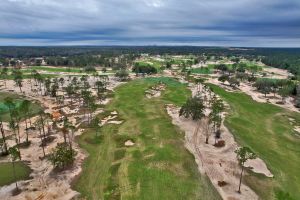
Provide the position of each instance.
(9, 103)
(18, 118)
(15, 155)
(62, 81)
(4, 73)
(243, 154)
(5, 152)
(24, 108)
(215, 117)
(38, 124)
(13, 127)
(42, 121)
(47, 86)
(70, 91)
(193, 108)
(18, 78)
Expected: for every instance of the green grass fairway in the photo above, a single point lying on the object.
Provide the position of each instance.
(267, 130)
(202, 70)
(57, 69)
(158, 166)
(7, 176)
(35, 108)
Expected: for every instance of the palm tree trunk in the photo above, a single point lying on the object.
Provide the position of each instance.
(19, 138)
(15, 177)
(42, 141)
(3, 138)
(26, 130)
(241, 179)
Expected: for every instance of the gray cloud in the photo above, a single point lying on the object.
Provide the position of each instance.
(148, 22)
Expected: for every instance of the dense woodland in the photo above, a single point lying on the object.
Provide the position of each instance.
(105, 55)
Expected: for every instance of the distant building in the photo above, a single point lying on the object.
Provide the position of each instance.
(39, 61)
(144, 55)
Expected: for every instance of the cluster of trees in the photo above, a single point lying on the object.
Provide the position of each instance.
(122, 74)
(237, 72)
(139, 68)
(62, 156)
(238, 68)
(77, 89)
(83, 56)
(115, 62)
(195, 107)
(17, 113)
(289, 60)
(283, 87)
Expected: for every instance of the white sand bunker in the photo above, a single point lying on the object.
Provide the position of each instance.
(114, 113)
(219, 164)
(109, 120)
(68, 111)
(155, 91)
(258, 166)
(297, 129)
(129, 143)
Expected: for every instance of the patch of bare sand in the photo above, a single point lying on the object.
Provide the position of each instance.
(257, 96)
(277, 73)
(155, 91)
(219, 164)
(45, 183)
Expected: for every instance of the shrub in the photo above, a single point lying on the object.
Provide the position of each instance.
(62, 156)
(122, 75)
(89, 69)
(144, 69)
(220, 143)
(222, 183)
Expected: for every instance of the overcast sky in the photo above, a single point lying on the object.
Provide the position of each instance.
(269, 23)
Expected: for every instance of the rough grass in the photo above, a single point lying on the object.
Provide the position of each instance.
(7, 176)
(35, 107)
(267, 130)
(158, 166)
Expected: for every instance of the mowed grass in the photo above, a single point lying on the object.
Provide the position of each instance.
(28, 76)
(7, 176)
(4, 113)
(57, 69)
(203, 70)
(266, 128)
(158, 166)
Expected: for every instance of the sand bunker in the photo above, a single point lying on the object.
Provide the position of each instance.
(69, 111)
(129, 143)
(46, 184)
(219, 164)
(257, 96)
(155, 91)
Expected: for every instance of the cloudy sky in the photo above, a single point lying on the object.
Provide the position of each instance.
(270, 23)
